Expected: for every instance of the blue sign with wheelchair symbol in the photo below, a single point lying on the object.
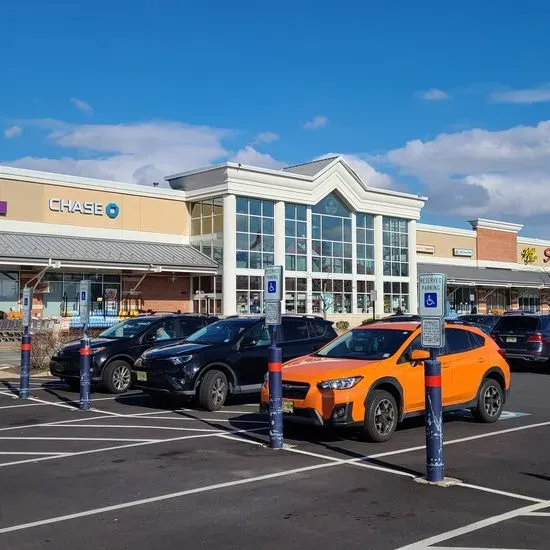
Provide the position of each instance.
(430, 299)
(272, 287)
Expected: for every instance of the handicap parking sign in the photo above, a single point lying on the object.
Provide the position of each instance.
(430, 299)
(272, 287)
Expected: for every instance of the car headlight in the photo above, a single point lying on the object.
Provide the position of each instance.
(180, 360)
(138, 362)
(340, 383)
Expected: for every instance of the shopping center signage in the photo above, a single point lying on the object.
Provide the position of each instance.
(547, 255)
(463, 252)
(111, 210)
(425, 248)
(3, 208)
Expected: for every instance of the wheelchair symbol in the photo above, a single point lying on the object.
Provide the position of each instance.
(272, 287)
(430, 299)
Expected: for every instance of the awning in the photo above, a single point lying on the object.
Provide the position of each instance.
(77, 252)
(489, 276)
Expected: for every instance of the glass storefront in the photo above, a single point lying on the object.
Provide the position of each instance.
(395, 238)
(295, 237)
(396, 296)
(331, 295)
(462, 299)
(250, 294)
(332, 238)
(207, 228)
(295, 295)
(255, 233)
(498, 299)
(61, 298)
(529, 300)
(364, 293)
(365, 244)
(9, 290)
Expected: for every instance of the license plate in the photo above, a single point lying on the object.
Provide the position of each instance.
(141, 376)
(288, 406)
(511, 339)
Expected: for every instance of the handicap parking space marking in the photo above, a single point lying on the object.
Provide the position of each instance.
(466, 414)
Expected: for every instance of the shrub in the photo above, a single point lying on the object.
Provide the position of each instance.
(367, 321)
(342, 326)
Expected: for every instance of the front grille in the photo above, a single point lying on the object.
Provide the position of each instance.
(295, 390)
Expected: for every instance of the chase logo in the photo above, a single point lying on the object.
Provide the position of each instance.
(112, 210)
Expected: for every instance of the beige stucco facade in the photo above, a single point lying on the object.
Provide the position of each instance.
(32, 202)
(443, 244)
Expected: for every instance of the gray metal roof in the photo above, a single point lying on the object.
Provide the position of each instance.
(309, 168)
(488, 275)
(26, 246)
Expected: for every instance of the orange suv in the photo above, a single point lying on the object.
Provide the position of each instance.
(373, 377)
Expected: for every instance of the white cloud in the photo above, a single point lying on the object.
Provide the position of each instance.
(369, 175)
(317, 122)
(12, 132)
(480, 172)
(266, 137)
(435, 94)
(82, 105)
(526, 96)
(250, 156)
(135, 153)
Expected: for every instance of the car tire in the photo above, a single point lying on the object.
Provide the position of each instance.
(490, 401)
(213, 390)
(117, 377)
(73, 383)
(381, 416)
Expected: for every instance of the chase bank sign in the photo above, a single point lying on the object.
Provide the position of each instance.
(111, 210)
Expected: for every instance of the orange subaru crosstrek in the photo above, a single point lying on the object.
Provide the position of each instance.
(373, 377)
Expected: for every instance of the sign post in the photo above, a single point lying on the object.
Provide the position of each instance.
(25, 370)
(432, 297)
(373, 298)
(85, 350)
(272, 302)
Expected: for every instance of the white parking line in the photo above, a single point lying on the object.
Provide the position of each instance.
(118, 447)
(139, 427)
(24, 405)
(57, 423)
(76, 439)
(185, 418)
(30, 454)
(429, 542)
(169, 496)
(538, 514)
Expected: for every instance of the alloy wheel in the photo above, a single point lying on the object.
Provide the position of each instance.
(384, 417)
(218, 392)
(121, 377)
(492, 401)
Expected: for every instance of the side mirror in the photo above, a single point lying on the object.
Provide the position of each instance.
(419, 355)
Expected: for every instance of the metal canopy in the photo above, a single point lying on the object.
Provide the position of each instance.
(489, 276)
(60, 251)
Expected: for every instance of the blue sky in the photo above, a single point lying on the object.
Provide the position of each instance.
(445, 99)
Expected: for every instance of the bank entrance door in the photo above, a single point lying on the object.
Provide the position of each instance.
(207, 303)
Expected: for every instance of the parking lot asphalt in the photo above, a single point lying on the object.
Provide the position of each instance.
(131, 474)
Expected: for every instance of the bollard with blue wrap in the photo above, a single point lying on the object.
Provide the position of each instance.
(25, 364)
(434, 420)
(85, 365)
(275, 375)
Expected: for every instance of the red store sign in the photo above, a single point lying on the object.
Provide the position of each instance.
(547, 255)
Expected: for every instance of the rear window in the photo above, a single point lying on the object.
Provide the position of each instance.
(317, 329)
(295, 330)
(526, 324)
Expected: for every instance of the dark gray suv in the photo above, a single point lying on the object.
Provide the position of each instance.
(524, 337)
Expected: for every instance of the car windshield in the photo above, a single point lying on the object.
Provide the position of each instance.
(221, 332)
(368, 344)
(129, 328)
(518, 323)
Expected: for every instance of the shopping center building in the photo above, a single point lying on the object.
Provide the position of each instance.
(349, 250)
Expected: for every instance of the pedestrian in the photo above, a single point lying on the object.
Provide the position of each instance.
(398, 311)
(474, 310)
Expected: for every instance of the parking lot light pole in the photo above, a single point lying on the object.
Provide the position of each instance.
(434, 420)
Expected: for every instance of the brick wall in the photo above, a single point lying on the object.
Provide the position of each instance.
(159, 293)
(498, 246)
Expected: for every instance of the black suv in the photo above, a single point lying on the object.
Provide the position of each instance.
(525, 337)
(115, 350)
(229, 356)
